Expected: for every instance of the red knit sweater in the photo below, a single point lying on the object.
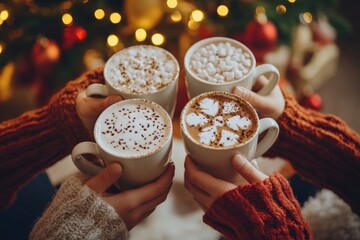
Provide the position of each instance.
(322, 148)
(39, 138)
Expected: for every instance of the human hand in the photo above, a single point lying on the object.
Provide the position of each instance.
(271, 105)
(89, 108)
(206, 188)
(132, 205)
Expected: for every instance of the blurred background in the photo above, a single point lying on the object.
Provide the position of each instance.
(46, 43)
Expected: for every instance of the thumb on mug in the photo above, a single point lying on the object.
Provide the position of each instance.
(247, 170)
(104, 179)
(103, 103)
(248, 95)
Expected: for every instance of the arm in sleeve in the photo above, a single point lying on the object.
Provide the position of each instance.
(77, 212)
(264, 210)
(37, 139)
(322, 148)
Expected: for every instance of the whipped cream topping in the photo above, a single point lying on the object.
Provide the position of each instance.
(133, 130)
(141, 69)
(218, 121)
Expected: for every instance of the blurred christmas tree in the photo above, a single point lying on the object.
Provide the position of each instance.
(53, 41)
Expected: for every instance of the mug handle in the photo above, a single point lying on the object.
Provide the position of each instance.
(82, 163)
(273, 78)
(97, 89)
(270, 136)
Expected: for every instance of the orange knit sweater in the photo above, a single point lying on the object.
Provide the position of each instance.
(39, 138)
(322, 148)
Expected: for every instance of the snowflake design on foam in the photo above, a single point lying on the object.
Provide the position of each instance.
(212, 118)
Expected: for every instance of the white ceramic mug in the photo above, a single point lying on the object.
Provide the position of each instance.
(143, 151)
(140, 68)
(197, 84)
(216, 160)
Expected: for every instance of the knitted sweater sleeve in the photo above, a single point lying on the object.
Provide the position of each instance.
(37, 139)
(264, 210)
(321, 148)
(77, 212)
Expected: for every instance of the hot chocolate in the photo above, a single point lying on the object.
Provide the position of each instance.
(132, 130)
(141, 69)
(221, 62)
(219, 120)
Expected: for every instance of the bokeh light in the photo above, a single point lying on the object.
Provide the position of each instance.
(157, 39)
(99, 14)
(197, 15)
(115, 17)
(222, 10)
(172, 3)
(112, 40)
(176, 16)
(140, 35)
(67, 19)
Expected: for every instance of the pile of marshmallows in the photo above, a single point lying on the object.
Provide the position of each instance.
(219, 63)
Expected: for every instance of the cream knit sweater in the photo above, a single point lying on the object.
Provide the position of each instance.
(77, 212)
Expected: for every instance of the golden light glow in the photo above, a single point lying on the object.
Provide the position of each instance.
(222, 10)
(176, 16)
(4, 14)
(281, 9)
(172, 3)
(1, 48)
(157, 39)
(67, 19)
(140, 34)
(99, 14)
(1, 22)
(197, 15)
(307, 17)
(193, 25)
(112, 40)
(291, 1)
(115, 17)
(260, 10)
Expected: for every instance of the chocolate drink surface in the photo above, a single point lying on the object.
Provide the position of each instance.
(219, 121)
(133, 130)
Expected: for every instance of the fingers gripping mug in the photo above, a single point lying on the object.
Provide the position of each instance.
(141, 71)
(137, 133)
(220, 64)
(215, 126)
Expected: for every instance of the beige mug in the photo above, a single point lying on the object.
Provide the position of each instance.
(215, 126)
(141, 71)
(220, 64)
(137, 133)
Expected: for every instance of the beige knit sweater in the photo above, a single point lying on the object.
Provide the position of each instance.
(77, 212)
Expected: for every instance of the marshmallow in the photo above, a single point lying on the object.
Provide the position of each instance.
(221, 62)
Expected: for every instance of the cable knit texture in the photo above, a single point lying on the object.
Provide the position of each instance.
(264, 210)
(321, 148)
(77, 212)
(39, 138)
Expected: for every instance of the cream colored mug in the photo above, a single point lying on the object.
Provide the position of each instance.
(141, 71)
(137, 133)
(220, 64)
(215, 126)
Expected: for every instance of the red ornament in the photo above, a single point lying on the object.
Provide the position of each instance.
(45, 53)
(312, 101)
(72, 35)
(260, 36)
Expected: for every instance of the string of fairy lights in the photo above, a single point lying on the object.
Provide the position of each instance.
(141, 34)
